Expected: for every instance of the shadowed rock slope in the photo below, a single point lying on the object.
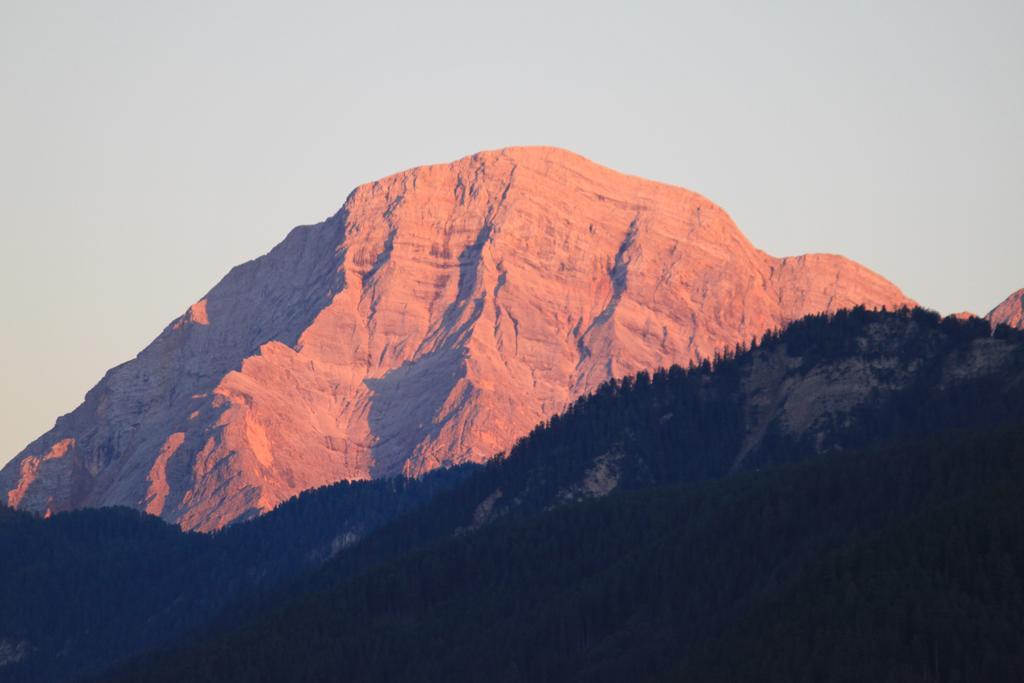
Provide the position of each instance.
(437, 317)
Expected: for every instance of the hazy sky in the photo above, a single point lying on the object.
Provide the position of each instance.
(146, 147)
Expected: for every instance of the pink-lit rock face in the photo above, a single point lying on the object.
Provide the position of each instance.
(1010, 312)
(441, 314)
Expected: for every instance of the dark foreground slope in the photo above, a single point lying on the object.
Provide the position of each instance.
(500, 579)
(822, 389)
(85, 589)
(939, 597)
(906, 561)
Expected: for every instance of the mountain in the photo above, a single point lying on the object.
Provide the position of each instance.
(825, 389)
(437, 317)
(627, 539)
(1009, 312)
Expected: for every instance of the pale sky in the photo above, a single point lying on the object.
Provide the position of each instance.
(147, 147)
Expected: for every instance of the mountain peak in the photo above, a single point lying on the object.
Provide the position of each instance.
(1009, 312)
(527, 155)
(535, 166)
(434, 320)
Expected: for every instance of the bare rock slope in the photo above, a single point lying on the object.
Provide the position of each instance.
(1010, 312)
(437, 317)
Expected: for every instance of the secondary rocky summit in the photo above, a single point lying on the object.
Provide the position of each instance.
(437, 317)
(1009, 312)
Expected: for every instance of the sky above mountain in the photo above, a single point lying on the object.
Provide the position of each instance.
(146, 149)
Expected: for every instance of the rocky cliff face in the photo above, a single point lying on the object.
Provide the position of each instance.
(437, 317)
(1010, 312)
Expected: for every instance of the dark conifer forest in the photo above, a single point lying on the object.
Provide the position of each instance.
(904, 563)
(672, 526)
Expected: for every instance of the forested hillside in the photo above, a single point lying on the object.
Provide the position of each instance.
(905, 564)
(84, 589)
(672, 454)
(635, 584)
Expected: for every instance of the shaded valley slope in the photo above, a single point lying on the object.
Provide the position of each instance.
(827, 391)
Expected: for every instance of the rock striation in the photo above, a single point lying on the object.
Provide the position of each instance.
(437, 317)
(1009, 312)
